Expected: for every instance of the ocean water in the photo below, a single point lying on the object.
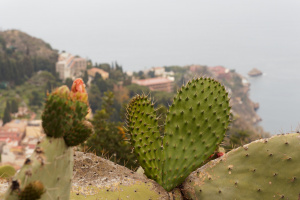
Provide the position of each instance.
(277, 92)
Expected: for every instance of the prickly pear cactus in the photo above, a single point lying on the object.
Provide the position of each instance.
(52, 165)
(195, 126)
(145, 136)
(264, 169)
(65, 112)
(47, 174)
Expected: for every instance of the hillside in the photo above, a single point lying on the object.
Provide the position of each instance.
(25, 63)
(21, 55)
(24, 43)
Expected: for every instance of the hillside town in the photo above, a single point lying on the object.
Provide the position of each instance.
(18, 139)
(19, 136)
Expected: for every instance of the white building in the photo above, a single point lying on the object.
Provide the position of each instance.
(160, 72)
(69, 66)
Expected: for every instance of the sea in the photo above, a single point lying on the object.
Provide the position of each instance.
(277, 92)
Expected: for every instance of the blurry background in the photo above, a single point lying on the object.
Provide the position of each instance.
(139, 35)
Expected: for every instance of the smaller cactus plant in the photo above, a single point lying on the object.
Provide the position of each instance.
(195, 125)
(47, 173)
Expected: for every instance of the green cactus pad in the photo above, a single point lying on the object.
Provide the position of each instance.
(52, 165)
(145, 136)
(264, 169)
(195, 125)
(79, 133)
(62, 112)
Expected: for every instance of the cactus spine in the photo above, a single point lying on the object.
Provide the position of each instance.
(195, 126)
(47, 174)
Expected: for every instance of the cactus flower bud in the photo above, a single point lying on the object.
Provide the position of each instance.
(78, 91)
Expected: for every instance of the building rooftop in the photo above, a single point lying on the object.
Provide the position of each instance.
(33, 131)
(152, 81)
(92, 72)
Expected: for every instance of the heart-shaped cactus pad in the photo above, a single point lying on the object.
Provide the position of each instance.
(195, 125)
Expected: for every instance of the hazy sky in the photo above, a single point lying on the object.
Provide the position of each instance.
(144, 33)
(139, 34)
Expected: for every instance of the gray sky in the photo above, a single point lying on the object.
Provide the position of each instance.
(140, 34)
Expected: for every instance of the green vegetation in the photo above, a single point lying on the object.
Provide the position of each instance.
(171, 138)
(20, 58)
(7, 171)
(7, 112)
(109, 137)
(32, 90)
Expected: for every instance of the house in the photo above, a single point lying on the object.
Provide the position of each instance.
(92, 73)
(197, 68)
(22, 112)
(18, 140)
(158, 71)
(69, 66)
(13, 154)
(161, 72)
(34, 129)
(220, 72)
(156, 84)
(14, 131)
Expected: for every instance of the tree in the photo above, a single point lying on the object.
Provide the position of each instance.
(141, 75)
(151, 74)
(108, 138)
(8, 106)
(85, 77)
(104, 66)
(28, 66)
(6, 115)
(103, 85)
(14, 106)
(94, 97)
(69, 82)
(36, 99)
(135, 89)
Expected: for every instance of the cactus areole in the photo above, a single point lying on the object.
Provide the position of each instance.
(195, 125)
